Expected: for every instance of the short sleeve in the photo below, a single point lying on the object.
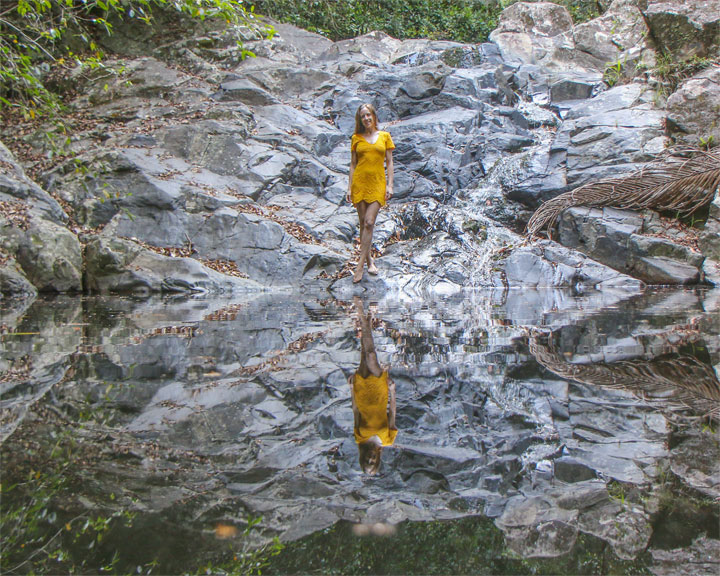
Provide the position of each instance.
(389, 145)
(354, 142)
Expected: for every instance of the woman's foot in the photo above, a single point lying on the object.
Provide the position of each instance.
(372, 269)
(358, 276)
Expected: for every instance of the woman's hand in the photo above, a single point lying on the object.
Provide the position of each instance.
(388, 192)
(348, 197)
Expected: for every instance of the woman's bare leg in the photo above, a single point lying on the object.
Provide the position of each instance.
(368, 356)
(361, 208)
(367, 228)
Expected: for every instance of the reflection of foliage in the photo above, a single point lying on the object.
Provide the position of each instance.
(249, 561)
(674, 184)
(59, 514)
(677, 382)
(39, 534)
(468, 546)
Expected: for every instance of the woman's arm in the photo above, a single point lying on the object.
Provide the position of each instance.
(389, 167)
(353, 163)
(356, 411)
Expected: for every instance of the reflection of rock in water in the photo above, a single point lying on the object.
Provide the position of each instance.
(680, 382)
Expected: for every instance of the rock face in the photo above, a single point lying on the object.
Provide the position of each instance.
(685, 29)
(643, 246)
(238, 168)
(693, 111)
(37, 251)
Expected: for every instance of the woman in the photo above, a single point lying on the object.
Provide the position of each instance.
(373, 400)
(371, 180)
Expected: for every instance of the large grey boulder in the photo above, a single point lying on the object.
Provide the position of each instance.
(685, 29)
(709, 243)
(115, 265)
(619, 37)
(546, 264)
(693, 110)
(14, 285)
(533, 32)
(642, 245)
(34, 233)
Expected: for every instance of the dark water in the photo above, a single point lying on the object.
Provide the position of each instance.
(537, 433)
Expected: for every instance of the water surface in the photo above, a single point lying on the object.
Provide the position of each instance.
(537, 432)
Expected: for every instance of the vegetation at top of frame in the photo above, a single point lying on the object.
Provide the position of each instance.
(41, 40)
(458, 20)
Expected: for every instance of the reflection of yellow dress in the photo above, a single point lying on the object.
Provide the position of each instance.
(371, 399)
(369, 177)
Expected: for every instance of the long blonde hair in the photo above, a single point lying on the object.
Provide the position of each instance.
(359, 127)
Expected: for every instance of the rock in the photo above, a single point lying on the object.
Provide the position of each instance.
(13, 283)
(703, 476)
(533, 32)
(693, 110)
(16, 186)
(709, 242)
(120, 266)
(547, 264)
(700, 558)
(246, 91)
(618, 37)
(570, 470)
(685, 29)
(620, 239)
(49, 254)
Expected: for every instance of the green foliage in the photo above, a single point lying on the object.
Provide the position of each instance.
(707, 143)
(461, 20)
(614, 72)
(458, 20)
(40, 39)
(671, 71)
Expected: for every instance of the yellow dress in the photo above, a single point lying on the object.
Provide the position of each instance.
(369, 177)
(371, 399)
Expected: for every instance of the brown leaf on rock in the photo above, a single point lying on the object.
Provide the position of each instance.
(16, 213)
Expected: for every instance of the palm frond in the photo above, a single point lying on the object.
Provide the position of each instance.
(674, 184)
(675, 382)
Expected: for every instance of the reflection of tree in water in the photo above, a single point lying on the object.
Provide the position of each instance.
(680, 381)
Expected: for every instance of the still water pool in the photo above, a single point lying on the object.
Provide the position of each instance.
(527, 432)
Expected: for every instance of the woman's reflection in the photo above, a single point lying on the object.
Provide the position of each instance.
(373, 399)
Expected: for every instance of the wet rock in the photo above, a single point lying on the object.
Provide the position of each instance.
(547, 264)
